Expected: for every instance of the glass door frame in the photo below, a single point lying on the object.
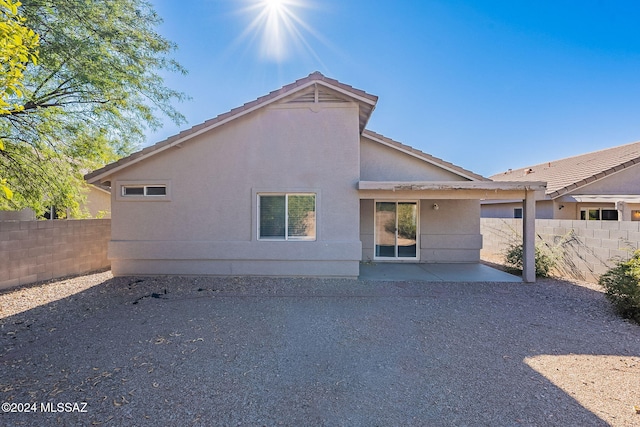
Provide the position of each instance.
(375, 228)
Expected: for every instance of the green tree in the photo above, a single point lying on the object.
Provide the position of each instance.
(18, 47)
(95, 90)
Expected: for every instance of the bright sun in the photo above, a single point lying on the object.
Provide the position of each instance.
(279, 27)
(275, 5)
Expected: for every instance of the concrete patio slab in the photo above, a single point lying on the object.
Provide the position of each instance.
(434, 272)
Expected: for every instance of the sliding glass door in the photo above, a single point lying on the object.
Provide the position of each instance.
(396, 230)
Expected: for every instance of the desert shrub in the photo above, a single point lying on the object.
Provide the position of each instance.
(622, 284)
(545, 259)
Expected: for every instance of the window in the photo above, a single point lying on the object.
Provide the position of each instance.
(517, 212)
(287, 216)
(144, 190)
(597, 214)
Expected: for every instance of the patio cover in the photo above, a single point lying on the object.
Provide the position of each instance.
(480, 190)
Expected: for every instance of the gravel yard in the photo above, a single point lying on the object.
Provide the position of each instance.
(148, 351)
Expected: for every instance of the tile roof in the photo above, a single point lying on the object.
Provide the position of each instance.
(366, 101)
(566, 175)
(424, 156)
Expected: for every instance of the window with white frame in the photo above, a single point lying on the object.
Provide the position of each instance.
(144, 190)
(598, 214)
(287, 216)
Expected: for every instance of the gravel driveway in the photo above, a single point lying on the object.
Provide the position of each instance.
(257, 351)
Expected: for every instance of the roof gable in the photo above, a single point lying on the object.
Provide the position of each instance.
(315, 88)
(571, 173)
(450, 167)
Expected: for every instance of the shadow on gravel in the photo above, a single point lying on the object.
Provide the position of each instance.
(261, 351)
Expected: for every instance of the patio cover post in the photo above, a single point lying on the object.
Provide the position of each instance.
(529, 237)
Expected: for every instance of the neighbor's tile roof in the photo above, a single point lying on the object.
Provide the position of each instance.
(424, 156)
(565, 175)
(366, 101)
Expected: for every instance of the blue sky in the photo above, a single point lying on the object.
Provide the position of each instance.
(487, 85)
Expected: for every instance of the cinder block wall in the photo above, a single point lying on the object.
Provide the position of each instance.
(587, 248)
(31, 251)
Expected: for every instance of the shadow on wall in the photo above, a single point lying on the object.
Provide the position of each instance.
(580, 252)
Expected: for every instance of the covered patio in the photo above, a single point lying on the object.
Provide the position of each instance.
(439, 253)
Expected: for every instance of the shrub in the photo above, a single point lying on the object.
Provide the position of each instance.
(622, 284)
(545, 259)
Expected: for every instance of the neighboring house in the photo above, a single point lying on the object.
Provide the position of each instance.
(98, 202)
(292, 184)
(603, 185)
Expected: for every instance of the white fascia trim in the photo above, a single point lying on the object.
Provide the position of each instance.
(452, 185)
(417, 156)
(602, 198)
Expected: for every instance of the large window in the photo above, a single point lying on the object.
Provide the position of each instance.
(287, 216)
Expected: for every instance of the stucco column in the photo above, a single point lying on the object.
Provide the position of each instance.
(529, 237)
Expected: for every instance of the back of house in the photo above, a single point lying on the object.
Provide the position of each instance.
(291, 184)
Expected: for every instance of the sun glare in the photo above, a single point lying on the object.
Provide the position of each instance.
(274, 4)
(279, 27)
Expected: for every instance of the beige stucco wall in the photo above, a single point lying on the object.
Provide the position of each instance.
(98, 203)
(545, 209)
(499, 210)
(447, 235)
(451, 233)
(381, 163)
(630, 211)
(208, 225)
(626, 181)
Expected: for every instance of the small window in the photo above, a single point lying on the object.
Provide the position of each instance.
(144, 190)
(635, 215)
(133, 191)
(287, 216)
(598, 214)
(517, 212)
(155, 191)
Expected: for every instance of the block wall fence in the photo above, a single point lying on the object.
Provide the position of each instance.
(31, 251)
(586, 249)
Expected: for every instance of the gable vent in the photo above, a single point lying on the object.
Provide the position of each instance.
(307, 97)
(317, 95)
